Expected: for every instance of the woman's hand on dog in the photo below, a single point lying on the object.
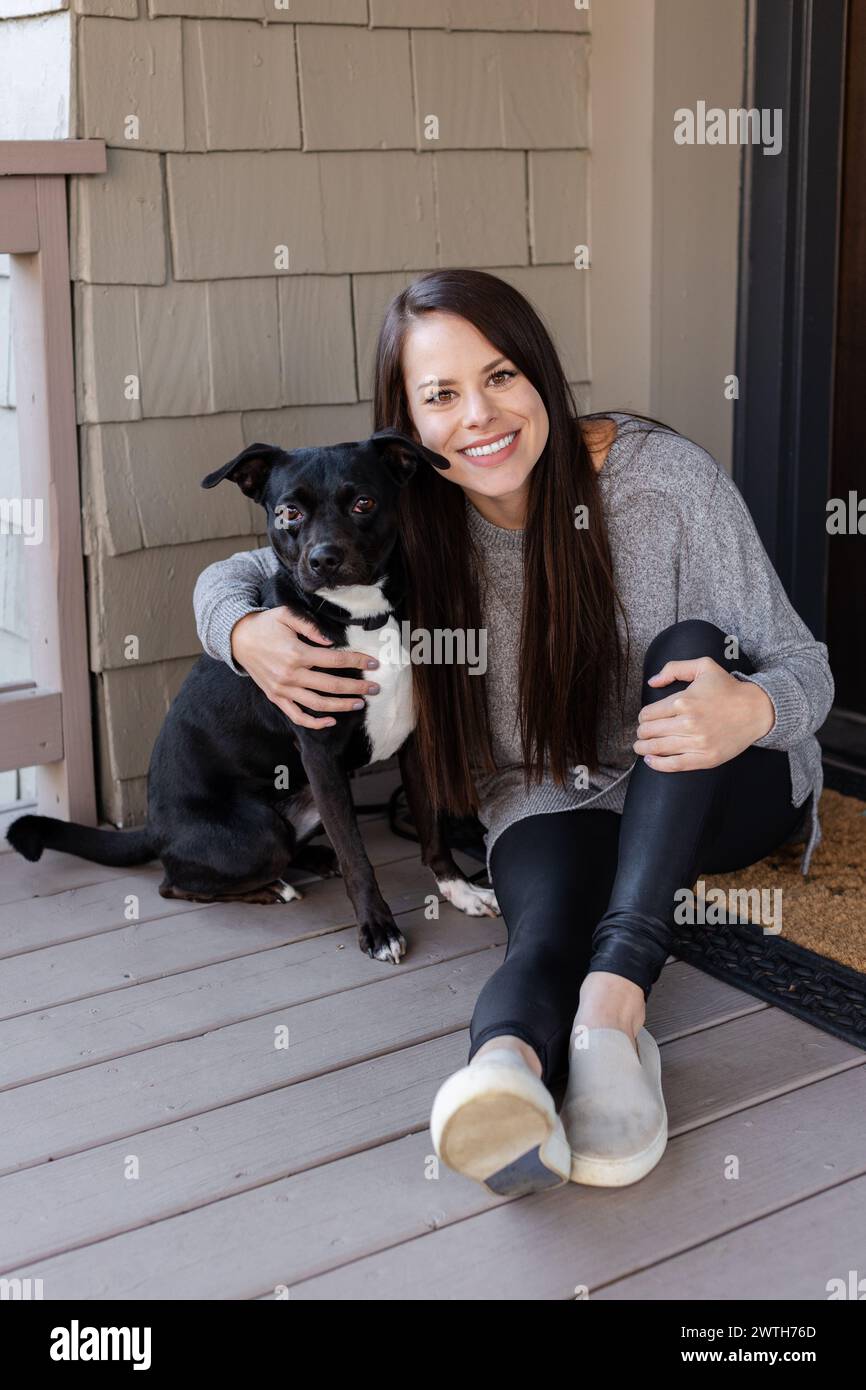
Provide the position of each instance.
(266, 645)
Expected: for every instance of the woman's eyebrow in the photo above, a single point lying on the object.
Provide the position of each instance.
(449, 380)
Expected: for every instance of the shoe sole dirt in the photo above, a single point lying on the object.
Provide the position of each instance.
(498, 1124)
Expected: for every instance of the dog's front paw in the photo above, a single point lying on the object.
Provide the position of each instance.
(380, 937)
(477, 902)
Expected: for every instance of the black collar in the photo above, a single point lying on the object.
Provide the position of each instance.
(326, 609)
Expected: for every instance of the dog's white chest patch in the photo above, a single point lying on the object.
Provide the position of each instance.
(390, 716)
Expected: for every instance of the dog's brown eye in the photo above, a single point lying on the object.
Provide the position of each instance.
(285, 513)
(364, 504)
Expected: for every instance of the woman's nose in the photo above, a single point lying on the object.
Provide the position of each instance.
(479, 412)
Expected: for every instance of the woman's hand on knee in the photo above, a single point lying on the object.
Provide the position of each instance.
(709, 723)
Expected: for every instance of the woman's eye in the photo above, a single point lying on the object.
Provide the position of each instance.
(364, 504)
(503, 373)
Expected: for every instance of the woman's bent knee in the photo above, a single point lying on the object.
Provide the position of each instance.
(689, 640)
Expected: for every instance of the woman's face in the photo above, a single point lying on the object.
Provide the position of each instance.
(463, 395)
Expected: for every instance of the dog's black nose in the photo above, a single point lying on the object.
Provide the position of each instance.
(325, 559)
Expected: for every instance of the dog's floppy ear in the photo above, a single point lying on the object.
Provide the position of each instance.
(250, 470)
(403, 454)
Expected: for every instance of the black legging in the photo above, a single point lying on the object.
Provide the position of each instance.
(588, 890)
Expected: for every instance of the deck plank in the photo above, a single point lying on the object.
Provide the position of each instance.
(98, 1104)
(220, 931)
(78, 912)
(213, 1066)
(314, 1166)
(577, 1238)
(792, 1254)
(184, 1164)
(292, 1230)
(35, 1046)
(54, 873)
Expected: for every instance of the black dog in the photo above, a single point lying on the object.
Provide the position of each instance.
(235, 789)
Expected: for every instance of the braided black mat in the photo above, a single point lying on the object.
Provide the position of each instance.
(815, 988)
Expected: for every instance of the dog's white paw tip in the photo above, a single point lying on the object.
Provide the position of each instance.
(466, 897)
(392, 954)
(288, 892)
(390, 948)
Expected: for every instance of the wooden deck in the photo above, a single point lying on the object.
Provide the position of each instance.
(148, 1046)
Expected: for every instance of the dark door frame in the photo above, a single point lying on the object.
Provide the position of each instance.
(795, 61)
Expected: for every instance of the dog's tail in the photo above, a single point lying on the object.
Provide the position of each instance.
(30, 835)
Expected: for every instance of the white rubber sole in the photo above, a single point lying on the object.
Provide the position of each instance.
(596, 1170)
(618, 1172)
(497, 1123)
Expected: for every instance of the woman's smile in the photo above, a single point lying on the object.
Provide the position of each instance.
(492, 450)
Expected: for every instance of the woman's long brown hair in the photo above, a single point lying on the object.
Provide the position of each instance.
(569, 646)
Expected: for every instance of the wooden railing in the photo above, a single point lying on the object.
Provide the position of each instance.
(46, 722)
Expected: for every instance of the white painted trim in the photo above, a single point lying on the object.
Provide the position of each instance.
(36, 84)
(620, 203)
(664, 218)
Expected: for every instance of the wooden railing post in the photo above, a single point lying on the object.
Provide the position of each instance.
(48, 449)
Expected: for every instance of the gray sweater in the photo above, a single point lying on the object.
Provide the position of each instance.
(684, 546)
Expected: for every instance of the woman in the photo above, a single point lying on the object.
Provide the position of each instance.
(647, 713)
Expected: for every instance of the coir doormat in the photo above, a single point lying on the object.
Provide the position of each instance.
(794, 941)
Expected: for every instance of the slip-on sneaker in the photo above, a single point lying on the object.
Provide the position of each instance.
(613, 1110)
(496, 1121)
